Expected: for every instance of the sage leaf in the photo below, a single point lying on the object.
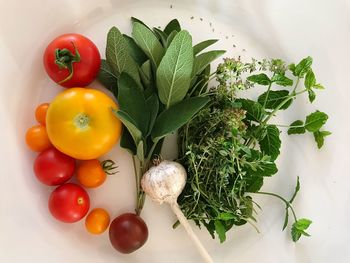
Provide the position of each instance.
(271, 143)
(153, 106)
(274, 99)
(135, 51)
(171, 37)
(108, 78)
(203, 60)
(146, 74)
(282, 80)
(118, 57)
(173, 25)
(130, 124)
(296, 127)
(315, 121)
(132, 101)
(203, 45)
(174, 71)
(140, 151)
(176, 116)
(319, 137)
(261, 79)
(127, 141)
(161, 36)
(148, 42)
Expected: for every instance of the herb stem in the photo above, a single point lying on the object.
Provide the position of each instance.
(268, 91)
(288, 204)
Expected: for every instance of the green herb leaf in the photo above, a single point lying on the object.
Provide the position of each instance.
(135, 52)
(296, 127)
(261, 79)
(146, 74)
(148, 42)
(132, 101)
(319, 137)
(173, 118)
(203, 60)
(318, 86)
(171, 37)
(315, 121)
(203, 45)
(127, 141)
(274, 99)
(130, 125)
(312, 95)
(291, 67)
(140, 151)
(297, 188)
(161, 36)
(175, 69)
(282, 80)
(255, 112)
(310, 80)
(118, 57)
(303, 67)
(299, 227)
(220, 230)
(153, 107)
(173, 25)
(107, 78)
(136, 20)
(254, 183)
(226, 216)
(271, 143)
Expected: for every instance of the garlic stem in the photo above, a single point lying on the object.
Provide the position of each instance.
(177, 211)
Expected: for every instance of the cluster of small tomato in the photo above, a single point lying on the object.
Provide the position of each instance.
(69, 202)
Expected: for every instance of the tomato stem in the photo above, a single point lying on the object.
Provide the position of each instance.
(109, 167)
(65, 59)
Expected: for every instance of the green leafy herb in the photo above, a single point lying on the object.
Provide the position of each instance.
(315, 121)
(297, 127)
(319, 137)
(173, 25)
(303, 67)
(299, 227)
(203, 45)
(135, 52)
(203, 60)
(282, 80)
(272, 99)
(261, 79)
(175, 69)
(271, 143)
(107, 78)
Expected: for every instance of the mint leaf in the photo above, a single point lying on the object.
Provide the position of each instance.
(312, 95)
(275, 98)
(203, 45)
(318, 86)
(303, 67)
(282, 80)
(271, 143)
(148, 42)
(315, 121)
(319, 137)
(226, 216)
(175, 70)
(255, 111)
(261, 79)
(173, 25)
(296, 127)
(220, 230)
(299, 227)
(297, 188)
(291, 67)
(176, 116)
(310, 80)
(253, 183)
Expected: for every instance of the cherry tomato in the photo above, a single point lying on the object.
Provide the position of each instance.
(72, 60)
(52, 167)
(40, 113)
(127, 233)
(37, 138)
(69, 203)
(92, 173)
(97, 221)
(81, 124)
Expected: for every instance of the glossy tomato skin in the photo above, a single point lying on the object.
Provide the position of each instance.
(40, 113)
(97, 221)
(84, 71)
(81, 124)
(37, 138)
(69, 203)
(128, 232)
(90, 173)
(52, 167)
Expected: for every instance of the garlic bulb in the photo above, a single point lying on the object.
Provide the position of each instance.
(164, 183)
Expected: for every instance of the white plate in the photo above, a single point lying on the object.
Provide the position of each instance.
(287, 29)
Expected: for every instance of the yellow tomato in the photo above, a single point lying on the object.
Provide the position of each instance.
(81, 124)
(97, 221)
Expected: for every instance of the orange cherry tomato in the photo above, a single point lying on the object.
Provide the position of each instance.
(97, 221)
(37, 138)
(40, 113)
(92, 173)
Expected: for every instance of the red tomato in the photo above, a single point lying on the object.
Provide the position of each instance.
(128, 232)
(52, 167)
(69, 203)
(72, 60)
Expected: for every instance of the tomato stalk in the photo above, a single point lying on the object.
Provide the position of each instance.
(65, 59)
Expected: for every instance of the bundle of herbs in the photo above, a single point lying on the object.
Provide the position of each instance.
(230, 146)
